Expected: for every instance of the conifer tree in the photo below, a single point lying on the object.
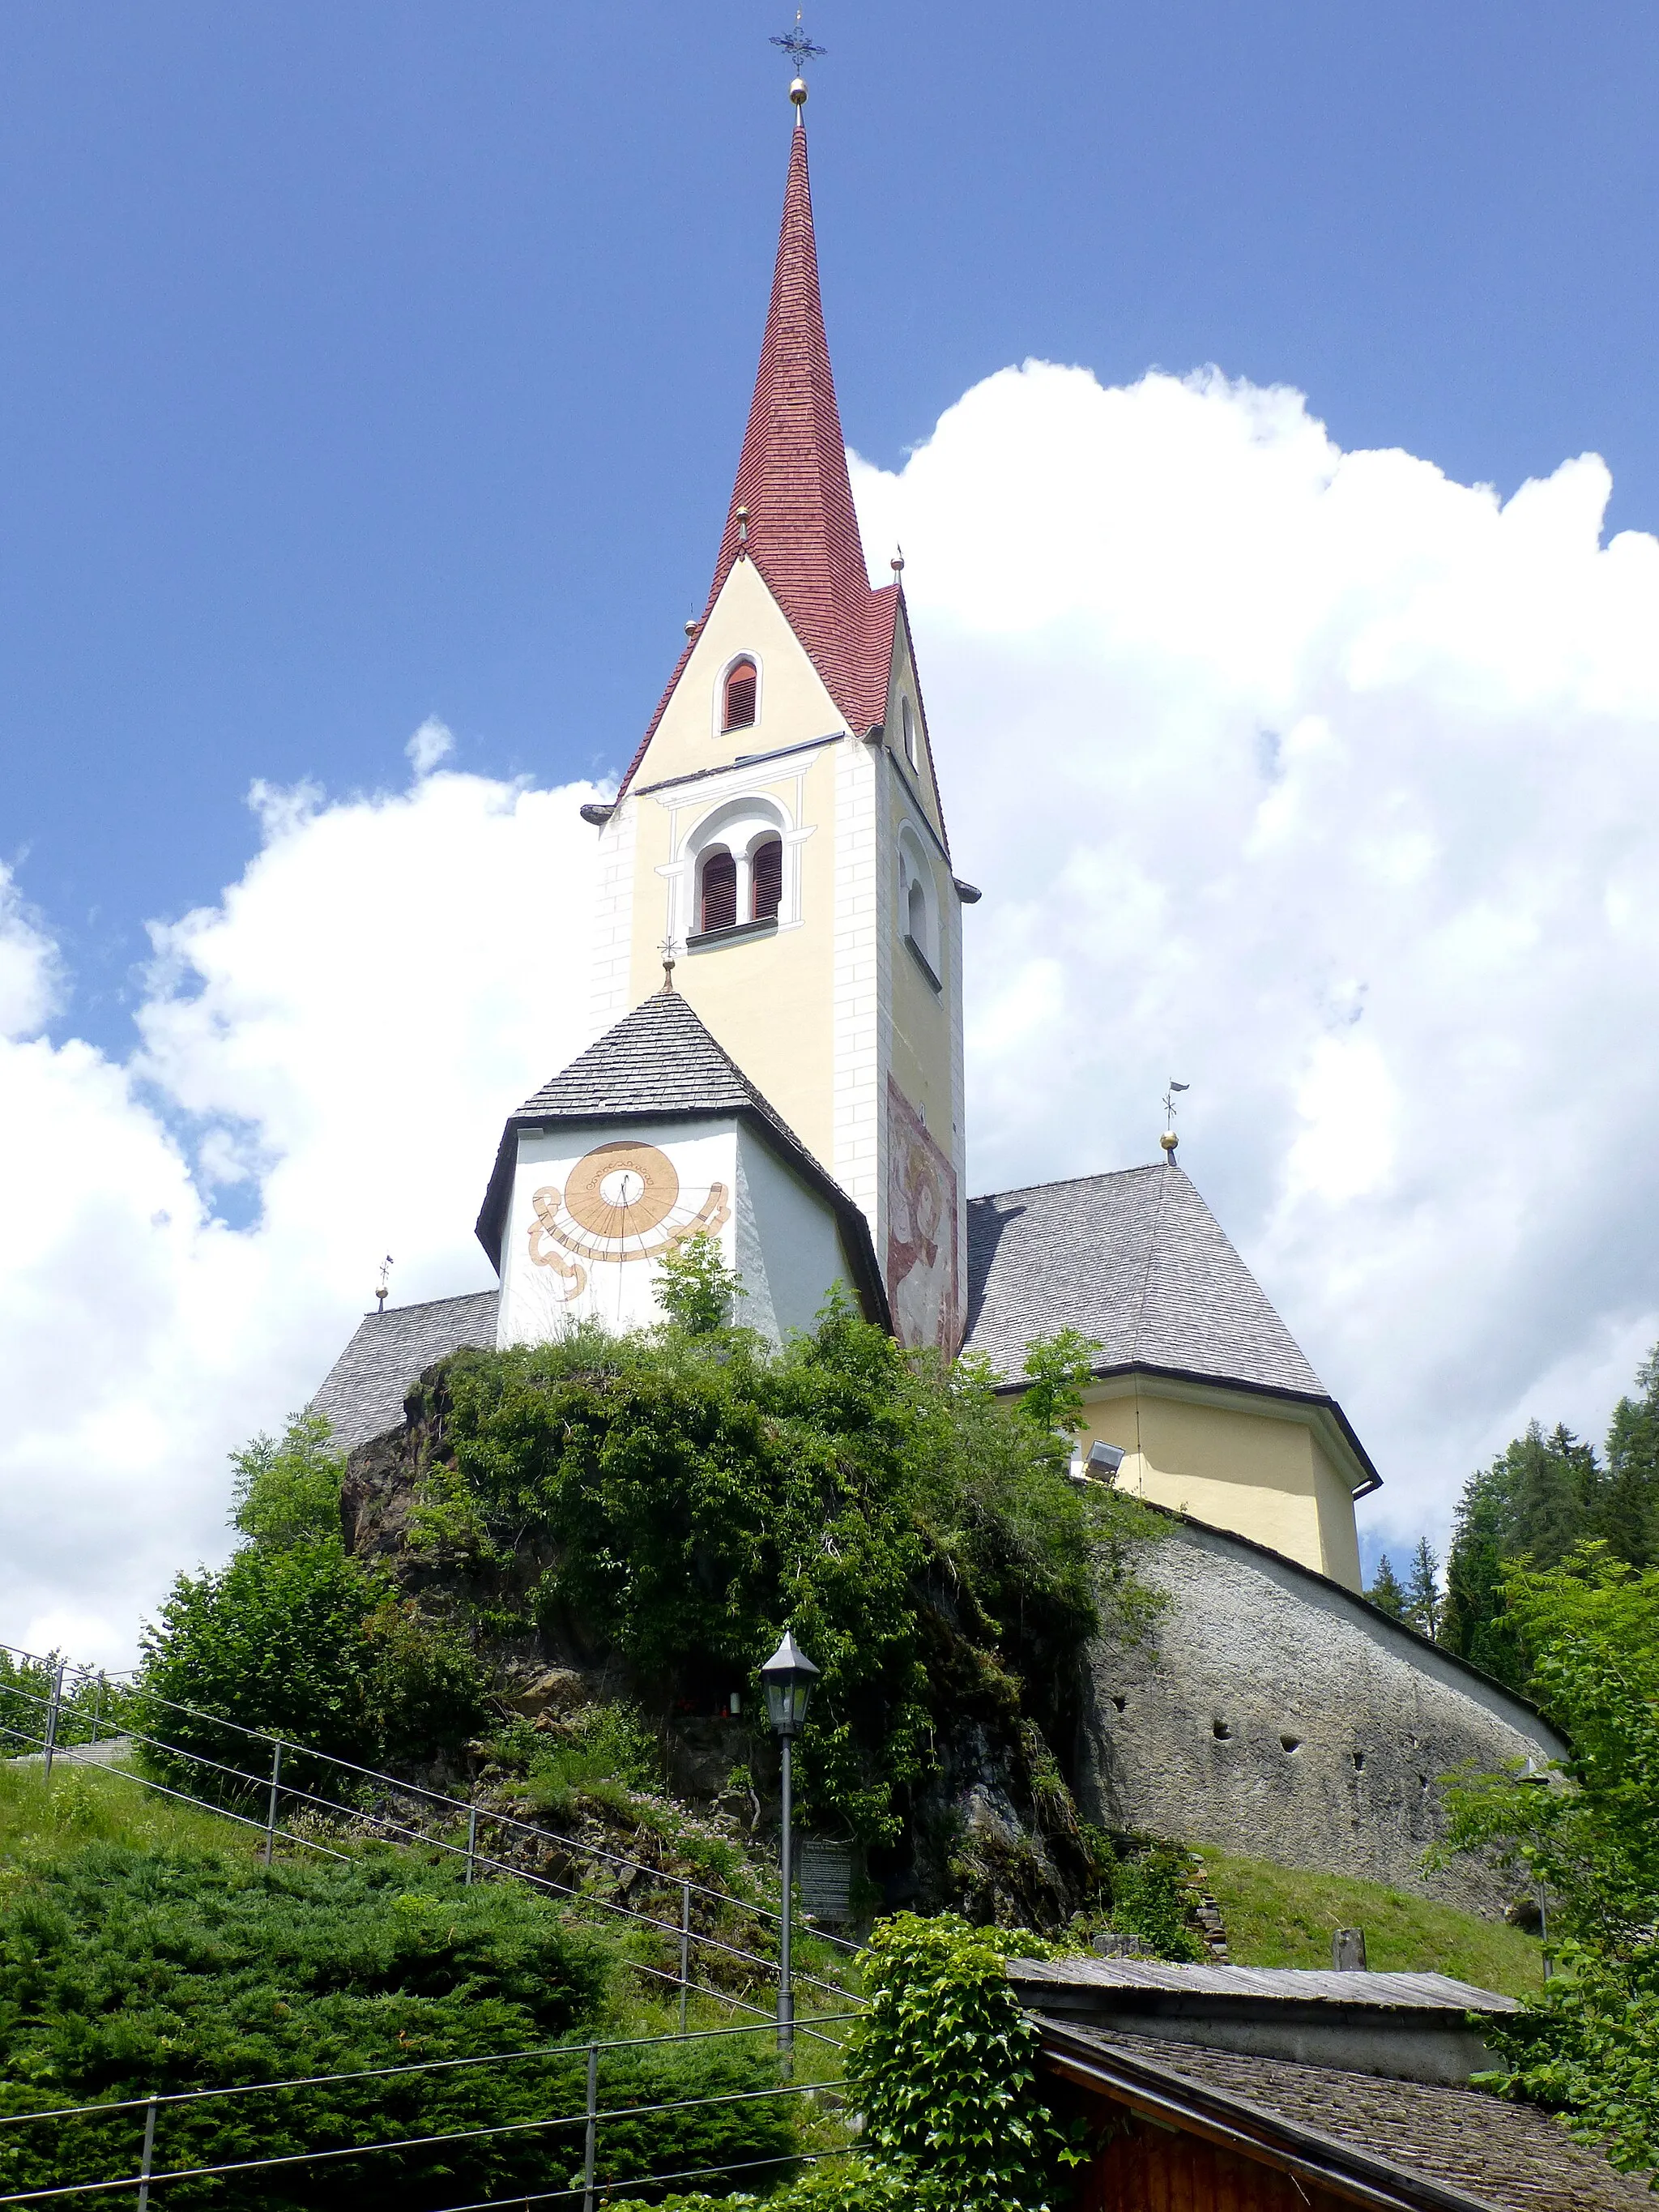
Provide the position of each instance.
(1628, 1522)
(1387, 1592)
(1422, 1610)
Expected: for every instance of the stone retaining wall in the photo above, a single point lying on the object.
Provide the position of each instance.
(1274, 1714)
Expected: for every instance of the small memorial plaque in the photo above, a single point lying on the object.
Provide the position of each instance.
(826, 1879)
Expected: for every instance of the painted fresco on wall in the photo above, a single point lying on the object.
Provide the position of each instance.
(922, 1231)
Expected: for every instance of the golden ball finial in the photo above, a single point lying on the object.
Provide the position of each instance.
(797, 92)
(1169, 1140)
(693, 625)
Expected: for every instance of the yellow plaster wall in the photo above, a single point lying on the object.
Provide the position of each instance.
(794, 703)
(903, 682)
(1243, 1465)
(767, 998)
(921, 1019)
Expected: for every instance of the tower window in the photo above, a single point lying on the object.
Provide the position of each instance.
(738, 707)
(719, 890)
(766, 879)
(916, 918)
(908, 724)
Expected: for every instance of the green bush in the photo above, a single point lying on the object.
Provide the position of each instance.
(124, 1974)
(602, 1753)
(296, 1638)
(678, 1497)
(942, 2065)
(288, 1492)
(1588, 1841)
(1150, 1898)
(306, 1644)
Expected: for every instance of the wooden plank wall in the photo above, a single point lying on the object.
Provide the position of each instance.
(1145, 2168)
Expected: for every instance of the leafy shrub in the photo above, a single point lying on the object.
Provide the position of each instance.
(942, 2066)
(1588, 1840)
(288, 1492)
(677, 1498)
(306, 1644)
(603, 1752)
(1150, 1897)
(124, 1974)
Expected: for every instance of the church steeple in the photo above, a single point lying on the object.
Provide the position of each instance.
(791, 512)
(793, 489)
(782, 823)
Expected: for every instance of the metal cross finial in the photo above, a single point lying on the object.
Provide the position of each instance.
(799, 48)
(668, 947)
(1169, 1140)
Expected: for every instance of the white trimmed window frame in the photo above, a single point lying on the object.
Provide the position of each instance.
(915, 871)
(717, 704)
(739, 825)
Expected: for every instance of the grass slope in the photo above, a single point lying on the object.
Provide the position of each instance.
(1284, 1917)
(91, 1805)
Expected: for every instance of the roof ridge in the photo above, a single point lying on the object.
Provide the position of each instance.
(1061, 1182)
(1147, 1272)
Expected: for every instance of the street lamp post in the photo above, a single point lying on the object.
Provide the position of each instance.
(787, 1678)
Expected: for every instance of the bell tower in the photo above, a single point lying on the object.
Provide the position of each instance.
(780, 826)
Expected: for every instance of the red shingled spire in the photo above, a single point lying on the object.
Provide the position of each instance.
(802, 528)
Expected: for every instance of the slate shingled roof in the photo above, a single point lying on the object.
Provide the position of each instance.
(1135, 1259)
(1407, 2143)
(657, 1063)
(362, 1394)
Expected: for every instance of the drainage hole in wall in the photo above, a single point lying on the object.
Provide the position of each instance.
(1291, 1742)
(1220, 1731)
(1358, 1761)
(1119, 1703)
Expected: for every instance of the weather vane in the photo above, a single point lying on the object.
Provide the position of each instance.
(799, 48)
(1170, 1139)
(385, 1290)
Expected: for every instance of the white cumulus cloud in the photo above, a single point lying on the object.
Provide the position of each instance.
(327, 1057)
(1332, 787)
(1311, 778)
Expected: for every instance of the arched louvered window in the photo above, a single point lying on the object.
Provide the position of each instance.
(719, 890)
(916, 919)
(738, 707)
(766, 879)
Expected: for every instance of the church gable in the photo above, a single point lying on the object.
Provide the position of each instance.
(907, 726)
(747, 686)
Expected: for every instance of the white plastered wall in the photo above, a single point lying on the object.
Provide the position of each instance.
(789, 1248)
(779, 1233)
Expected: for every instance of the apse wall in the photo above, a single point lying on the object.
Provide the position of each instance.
(1278, 1716)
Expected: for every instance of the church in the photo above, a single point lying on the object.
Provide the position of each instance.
(777, 1001)
(778, 951)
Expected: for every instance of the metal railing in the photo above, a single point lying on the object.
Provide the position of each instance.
(270, 1786)
(591, 2118)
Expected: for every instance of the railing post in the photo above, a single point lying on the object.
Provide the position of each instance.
(98, 1706)
(593, 2126)
(149, 2159)
(53, 1705)
(472, 1842)
(686, 1949)
(270, 1812)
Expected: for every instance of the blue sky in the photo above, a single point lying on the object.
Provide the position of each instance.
(361, 364)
